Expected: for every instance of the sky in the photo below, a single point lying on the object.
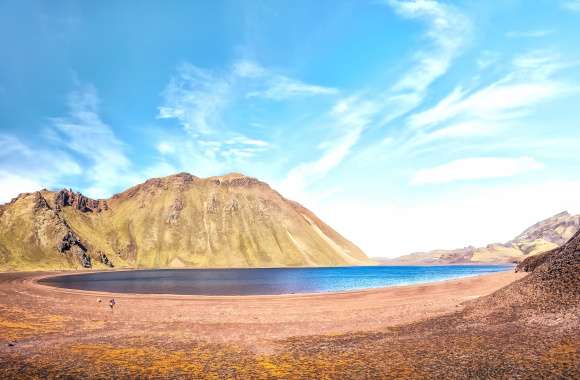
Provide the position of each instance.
(405, 125)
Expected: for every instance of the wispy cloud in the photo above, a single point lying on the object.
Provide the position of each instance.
(281, 87)
(571, 5)
(275, 86)
(475, 169)
(529, 82)
(196, 98)
(447, 30)
(529, 33)
(350, 117)
(83, 132)
(25, 168)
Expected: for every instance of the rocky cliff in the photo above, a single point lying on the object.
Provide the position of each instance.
(175, 221)
(541, 237)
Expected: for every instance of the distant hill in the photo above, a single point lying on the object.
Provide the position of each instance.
(551, 288)
(541, 237)
(175, 221)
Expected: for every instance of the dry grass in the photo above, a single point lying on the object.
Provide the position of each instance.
(18, 323)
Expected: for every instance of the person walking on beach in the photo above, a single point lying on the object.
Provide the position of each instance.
(112, 303)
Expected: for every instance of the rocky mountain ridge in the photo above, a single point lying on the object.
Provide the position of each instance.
(175, 221)
(541, 237)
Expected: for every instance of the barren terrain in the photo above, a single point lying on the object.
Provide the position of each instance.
(388, 332)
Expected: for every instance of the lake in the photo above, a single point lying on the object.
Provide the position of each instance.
(237, 282)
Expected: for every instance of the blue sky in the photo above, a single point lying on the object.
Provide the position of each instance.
(406, 125)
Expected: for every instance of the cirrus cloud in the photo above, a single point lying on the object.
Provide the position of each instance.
(476, 168)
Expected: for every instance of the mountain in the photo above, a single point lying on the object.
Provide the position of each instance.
(552, 289)
(541, 237)
(175, 221)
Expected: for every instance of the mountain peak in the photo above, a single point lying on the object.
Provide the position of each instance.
(178, 220)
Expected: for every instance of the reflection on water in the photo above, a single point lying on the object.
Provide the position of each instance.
(263, 281)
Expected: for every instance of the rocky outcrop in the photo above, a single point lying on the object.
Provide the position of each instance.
(70, 243)
(105, 260)
(174, 211)
(68, 198)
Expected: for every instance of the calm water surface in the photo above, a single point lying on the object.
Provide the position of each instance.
(264, 281)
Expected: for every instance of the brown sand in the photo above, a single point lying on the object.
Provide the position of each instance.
(252, 320)
(419, 331)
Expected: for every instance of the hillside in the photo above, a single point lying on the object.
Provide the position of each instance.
(175, 221)
(551, 289)
(541, 237)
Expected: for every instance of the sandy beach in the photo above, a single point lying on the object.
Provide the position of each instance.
(255, 321)
(413, 332)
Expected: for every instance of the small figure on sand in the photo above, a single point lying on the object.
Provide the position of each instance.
(112, 303)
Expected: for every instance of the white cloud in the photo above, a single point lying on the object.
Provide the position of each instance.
(571, 5)
(509, 98)
(27, 168)
(499, 100)
(247, 141)
(301, 176)
(248, 69)
(447, 29)
(196, 98)
(165, 148)
(487, 58)
(84, 133)
(476, 168)
(465, 129)
(12, 184)
(455, 219)
(350, 117)
(275, 86)
(281, 87)
(529, 33)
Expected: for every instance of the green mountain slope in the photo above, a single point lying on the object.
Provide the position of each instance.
(175, 221)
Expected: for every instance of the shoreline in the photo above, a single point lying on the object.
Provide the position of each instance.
(122, 269)
(254, 321)
(36, 281)
(392, 332)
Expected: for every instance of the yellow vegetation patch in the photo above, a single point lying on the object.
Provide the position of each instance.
(145, 361)
(565, 352)
(17, 323)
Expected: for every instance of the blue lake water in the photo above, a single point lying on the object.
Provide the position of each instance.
(264, 281)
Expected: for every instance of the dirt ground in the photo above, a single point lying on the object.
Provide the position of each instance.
(418, 331)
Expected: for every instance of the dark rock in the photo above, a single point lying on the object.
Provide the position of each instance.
(68, 241)
(68, 198)
(85, 260)
(71, 243)
(40, 202)
(105, 260)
